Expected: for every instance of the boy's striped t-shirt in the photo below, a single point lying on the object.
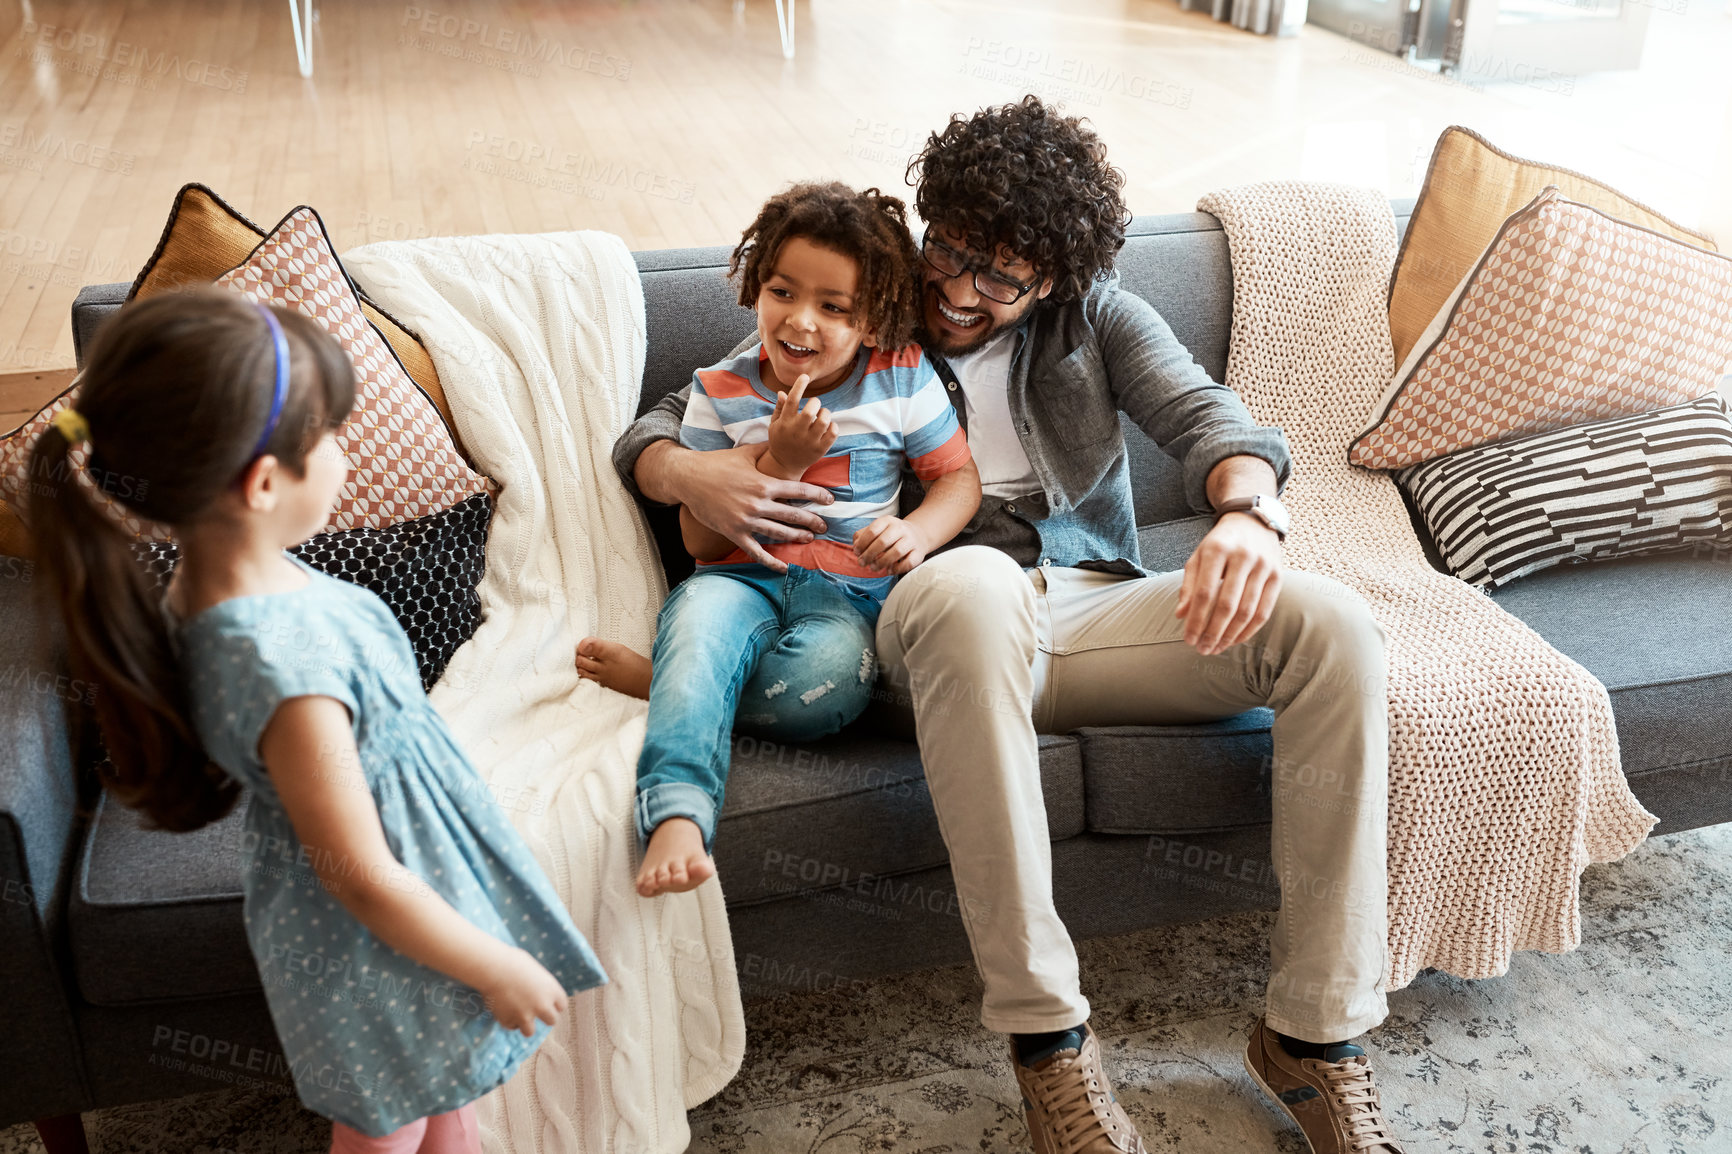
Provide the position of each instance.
(891, 406)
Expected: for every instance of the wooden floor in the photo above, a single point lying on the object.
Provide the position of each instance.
(667, 121)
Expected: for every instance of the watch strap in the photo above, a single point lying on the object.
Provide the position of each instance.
(1248, 505)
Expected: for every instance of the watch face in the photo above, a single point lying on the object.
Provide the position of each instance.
(1274, 514)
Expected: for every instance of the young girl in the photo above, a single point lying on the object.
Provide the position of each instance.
(832, 275)
(409, 946)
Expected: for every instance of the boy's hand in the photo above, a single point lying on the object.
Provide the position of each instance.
(891, 544)
(799, 438)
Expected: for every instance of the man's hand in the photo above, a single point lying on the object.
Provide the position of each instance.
(1231, 583)
(890, 544)
(799, 437)
(725, 491)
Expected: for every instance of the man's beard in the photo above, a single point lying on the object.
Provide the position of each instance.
(948, 346)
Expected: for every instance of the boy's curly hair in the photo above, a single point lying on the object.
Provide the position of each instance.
(1022, 176)
(868, 227)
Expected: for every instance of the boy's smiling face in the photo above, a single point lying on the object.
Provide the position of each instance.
(807, 316)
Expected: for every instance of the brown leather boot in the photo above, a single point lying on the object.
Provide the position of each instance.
(1335, 1103)
(1070, 1107)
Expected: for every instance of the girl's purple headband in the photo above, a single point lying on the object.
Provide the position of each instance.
(280, 346)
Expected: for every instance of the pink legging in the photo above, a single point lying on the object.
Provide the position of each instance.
(453, 1133)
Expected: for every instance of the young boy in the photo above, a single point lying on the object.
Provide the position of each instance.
(832, 275)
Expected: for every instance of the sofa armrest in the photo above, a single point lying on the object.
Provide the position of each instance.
(40, 1070)
(95, 304)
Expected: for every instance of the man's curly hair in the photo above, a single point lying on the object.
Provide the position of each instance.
(1022, 176)
(868, 227)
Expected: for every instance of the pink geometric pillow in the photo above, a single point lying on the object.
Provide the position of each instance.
(403, 463)
(1570, 316)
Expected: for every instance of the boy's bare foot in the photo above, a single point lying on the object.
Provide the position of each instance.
(616, 667)
(674, 861)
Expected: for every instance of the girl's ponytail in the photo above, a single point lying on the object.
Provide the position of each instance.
(119, 642)
(175, 396)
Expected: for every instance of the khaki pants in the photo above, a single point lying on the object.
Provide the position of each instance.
(989, 655)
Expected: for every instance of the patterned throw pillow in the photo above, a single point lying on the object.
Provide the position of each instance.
(1470, 190)
(205, 237)
(1569, 316)
(402, 461)
(1650, 483)
(425, 570)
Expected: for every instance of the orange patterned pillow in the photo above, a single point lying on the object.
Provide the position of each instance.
(1569, 316)
(402, 461)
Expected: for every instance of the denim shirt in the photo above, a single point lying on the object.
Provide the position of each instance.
(1075, 367)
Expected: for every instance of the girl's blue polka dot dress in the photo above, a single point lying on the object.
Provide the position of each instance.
(374, 1039)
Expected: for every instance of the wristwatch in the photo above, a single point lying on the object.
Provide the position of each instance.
(1266, 509)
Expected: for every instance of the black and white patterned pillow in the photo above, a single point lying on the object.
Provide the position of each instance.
(426, 570)
(1651, 483)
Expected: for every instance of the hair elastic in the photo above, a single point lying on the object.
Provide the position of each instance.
(280, 346)
(72, 425)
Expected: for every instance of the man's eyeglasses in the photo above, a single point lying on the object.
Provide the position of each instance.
(992, 285)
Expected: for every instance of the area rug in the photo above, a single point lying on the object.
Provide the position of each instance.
(1622, 1047)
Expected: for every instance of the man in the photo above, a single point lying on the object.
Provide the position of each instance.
(1041, 601)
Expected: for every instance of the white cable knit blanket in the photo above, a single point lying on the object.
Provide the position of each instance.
(1504, 780)
(539, 343)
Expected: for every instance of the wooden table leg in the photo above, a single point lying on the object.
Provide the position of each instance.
(62, 1134)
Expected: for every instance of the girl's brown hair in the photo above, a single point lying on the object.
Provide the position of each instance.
(176, 392)
(868, 227)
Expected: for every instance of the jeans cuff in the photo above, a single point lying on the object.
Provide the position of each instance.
(674, 799)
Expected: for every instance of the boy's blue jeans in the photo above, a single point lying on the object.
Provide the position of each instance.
(788, 656)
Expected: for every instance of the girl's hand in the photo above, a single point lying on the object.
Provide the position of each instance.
(520, 991)
(890, 544)
(799, 437)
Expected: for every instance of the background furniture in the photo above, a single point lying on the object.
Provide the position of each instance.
(123, 948)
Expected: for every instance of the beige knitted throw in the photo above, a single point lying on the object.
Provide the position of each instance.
(1504, 779)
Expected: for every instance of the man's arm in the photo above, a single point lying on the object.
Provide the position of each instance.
(1233, 578)
(658, 427)
(1158, 384)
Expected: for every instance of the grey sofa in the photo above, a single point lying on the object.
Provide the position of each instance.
(122, 952)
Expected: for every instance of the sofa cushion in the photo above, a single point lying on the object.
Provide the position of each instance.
(1148, 779)
(1653, 630)
(157, 915)
(848, 810)
(837, 813)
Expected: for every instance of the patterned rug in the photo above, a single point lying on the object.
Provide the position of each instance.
(1622, 1047)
